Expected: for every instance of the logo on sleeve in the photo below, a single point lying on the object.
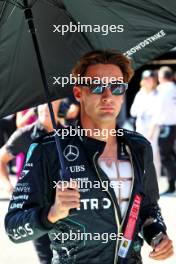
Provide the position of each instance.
(24, 173)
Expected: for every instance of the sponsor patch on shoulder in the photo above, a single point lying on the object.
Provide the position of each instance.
(30, 151)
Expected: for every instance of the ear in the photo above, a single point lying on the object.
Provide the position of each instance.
(77, 93)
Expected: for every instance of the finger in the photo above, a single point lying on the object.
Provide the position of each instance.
(65, 185)
(68, 192)
(69, 205)
(73, 185)
(164, 245)
(156, 254)
(69, 199)
(163, 256)
(162, 251)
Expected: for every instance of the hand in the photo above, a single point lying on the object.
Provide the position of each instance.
(66, 198)
(163, 250)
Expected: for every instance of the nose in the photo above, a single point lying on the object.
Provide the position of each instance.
(107, 95)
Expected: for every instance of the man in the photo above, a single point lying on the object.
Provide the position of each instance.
(78, 217)
(142, 109)
(19, 142)
(165, 119)
(21, 139)
(7, 127)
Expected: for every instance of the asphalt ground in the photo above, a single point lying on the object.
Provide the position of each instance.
(11, 253)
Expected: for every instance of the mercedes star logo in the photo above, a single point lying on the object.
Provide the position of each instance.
(71, 153)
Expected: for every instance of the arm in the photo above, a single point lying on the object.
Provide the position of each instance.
(22, 120)
(15, 144)
(5, 157)
(160, 105)
(27, 214)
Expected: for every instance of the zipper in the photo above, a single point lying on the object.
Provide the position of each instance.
(116, 214)
(131, 160)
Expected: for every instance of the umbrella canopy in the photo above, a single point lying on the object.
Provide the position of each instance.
(20, 79)
(148, 25)
(142, 29)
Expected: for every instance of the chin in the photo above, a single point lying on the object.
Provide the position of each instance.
(107, 118)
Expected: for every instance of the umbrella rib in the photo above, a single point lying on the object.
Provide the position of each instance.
(14, 3)
(3, 8)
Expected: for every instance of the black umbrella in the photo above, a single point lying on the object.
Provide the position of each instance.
(142, 29)
(23, 77)
(20, 78)
(26, 5)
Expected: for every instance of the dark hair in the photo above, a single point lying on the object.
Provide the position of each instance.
(166, 72)
(104, 57)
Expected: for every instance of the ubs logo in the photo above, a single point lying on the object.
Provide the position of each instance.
(77, 168)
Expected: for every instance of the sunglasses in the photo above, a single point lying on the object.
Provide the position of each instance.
(117, 88)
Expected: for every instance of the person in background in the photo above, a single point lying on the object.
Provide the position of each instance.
(21, 139)
(165, 119)
(7, 127)
(69, 110)
(143, 109)
(19, 142)
(23, 118)
(174, 79)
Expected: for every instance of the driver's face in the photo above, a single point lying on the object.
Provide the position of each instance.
(105, 107)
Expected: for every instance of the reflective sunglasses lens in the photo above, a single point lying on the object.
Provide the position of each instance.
(96, 89)
(118, 88)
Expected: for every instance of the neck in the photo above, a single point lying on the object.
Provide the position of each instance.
(106, 132)
(165, 81)
(149, 90)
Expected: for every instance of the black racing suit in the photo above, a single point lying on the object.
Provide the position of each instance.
(99, 213)
(19, 142)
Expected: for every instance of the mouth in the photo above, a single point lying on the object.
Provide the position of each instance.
(106, 108)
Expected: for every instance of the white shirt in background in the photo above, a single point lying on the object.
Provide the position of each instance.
(143, 108)
(165, 107)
